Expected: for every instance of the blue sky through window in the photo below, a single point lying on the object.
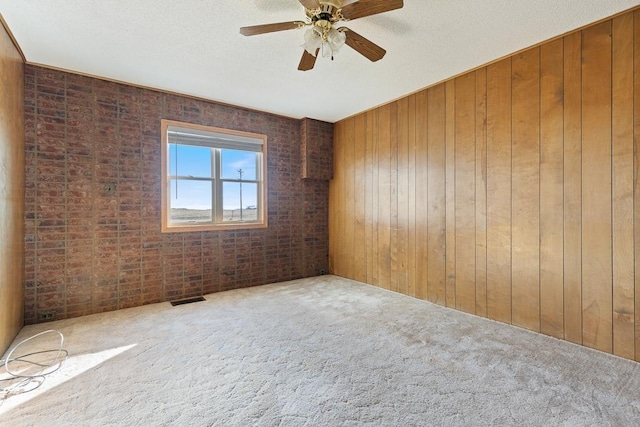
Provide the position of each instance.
(191, 161)
(196, 162)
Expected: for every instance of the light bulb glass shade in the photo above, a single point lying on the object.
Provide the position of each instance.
(335, 40)
(312, 40)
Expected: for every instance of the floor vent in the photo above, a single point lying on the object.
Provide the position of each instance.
(187, 301)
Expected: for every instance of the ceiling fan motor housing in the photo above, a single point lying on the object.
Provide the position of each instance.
(326, 12)
(336, 4)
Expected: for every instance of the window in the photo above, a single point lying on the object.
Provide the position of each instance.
(212, 179)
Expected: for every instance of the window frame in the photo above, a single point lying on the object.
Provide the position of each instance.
(217, 180)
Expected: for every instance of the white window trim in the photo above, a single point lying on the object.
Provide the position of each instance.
(224, 136)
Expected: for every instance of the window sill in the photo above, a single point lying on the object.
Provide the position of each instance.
(211, 227)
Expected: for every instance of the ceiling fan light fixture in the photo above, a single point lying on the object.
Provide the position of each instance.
(322, 15)
(335, 40)
(312, 40)
(329, 41)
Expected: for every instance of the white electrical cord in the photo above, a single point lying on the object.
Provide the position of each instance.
(38, 378)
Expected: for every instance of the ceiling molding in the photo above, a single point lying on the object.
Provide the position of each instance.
(502, 58)
(154, 89)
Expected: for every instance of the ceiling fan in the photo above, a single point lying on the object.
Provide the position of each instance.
(322, 16)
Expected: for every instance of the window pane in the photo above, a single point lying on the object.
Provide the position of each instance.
(193, 201)
(239, 206)
(213, 178)
(234, 161)
(191, 161)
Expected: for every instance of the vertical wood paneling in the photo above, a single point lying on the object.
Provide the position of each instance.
(436, 212)
(481, 192)
(573, 188)
(404, 257)
(412, 288)
(423, 181)
(551, 189)
(359, 198)
(450, 168)
(348, 222)
(596, 203)
(525, 190)
(465, 213)
(12, 191)
(371, 213)
(499, 191)
(510, 192)
(343, 220)
(636, 173)
(623, 248)
(336, 211)
(436, 196)
(394, 190)
(384, 196)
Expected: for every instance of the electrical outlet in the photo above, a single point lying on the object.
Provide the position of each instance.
(48, 315)
(322, 271)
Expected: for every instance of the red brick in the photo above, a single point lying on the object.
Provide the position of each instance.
(91, 252)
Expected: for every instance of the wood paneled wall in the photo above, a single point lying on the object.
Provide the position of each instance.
(11, 190)
(511, 192)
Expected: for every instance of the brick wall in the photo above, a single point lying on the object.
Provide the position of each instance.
(88, 251)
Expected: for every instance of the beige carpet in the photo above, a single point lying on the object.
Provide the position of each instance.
(320, 352)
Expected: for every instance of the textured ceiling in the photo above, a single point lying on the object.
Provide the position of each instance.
(194, 47)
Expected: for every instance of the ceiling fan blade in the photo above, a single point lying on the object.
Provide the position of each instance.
(364, 46)
(310, 4)
(270, 28)
(308, 61)
(364, 8)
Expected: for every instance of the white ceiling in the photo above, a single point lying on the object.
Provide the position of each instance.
(194, 47)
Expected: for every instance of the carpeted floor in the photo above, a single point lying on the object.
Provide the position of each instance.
(319, 352)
